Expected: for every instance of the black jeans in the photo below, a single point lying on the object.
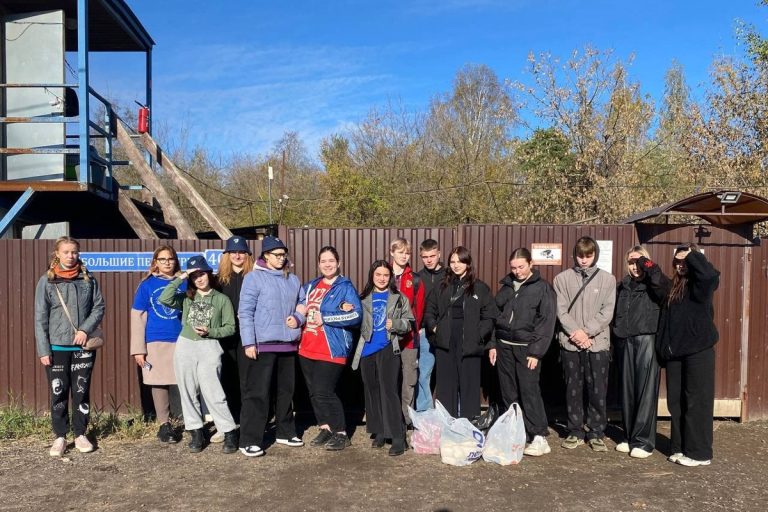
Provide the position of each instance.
(691, 402)
(322, 378)
(70, 371)
(520, 384)
(639, 390)
(457, 383)
(381, 377)
(256, 375)
(586, 373)
(230, 380)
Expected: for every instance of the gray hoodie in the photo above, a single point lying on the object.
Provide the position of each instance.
(592, 311)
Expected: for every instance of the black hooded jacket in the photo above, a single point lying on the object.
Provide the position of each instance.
(688, 326)
(638, 303)
(528, 315)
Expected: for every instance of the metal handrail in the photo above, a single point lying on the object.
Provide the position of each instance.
(102, 131)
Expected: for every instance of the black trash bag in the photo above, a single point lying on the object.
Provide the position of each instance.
(487, 419)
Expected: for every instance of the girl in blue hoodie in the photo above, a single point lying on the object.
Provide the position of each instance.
(269, 330)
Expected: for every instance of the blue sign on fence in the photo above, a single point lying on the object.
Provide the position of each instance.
(139, 261)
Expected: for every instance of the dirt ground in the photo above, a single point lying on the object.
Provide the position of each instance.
(146, 475)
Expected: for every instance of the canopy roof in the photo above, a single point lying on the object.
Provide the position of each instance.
(748, 209)
(112, 25)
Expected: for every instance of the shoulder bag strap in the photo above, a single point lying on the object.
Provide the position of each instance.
(578, 293)
(64, 305)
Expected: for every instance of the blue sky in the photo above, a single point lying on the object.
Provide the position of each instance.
(237, 74)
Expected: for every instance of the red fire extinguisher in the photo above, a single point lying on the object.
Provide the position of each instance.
(143, 119)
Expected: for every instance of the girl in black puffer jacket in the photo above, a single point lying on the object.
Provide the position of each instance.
(635, 323)
(524, 330)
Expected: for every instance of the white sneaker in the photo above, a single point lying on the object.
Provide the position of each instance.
(675, 457)
(692, 463)
(293, 442)
(623, 447)
(538, 447)
(58, 447)
(639, 453)
(218, 437)
(252, 451)
(83, 445)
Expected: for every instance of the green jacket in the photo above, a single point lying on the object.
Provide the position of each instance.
(214, 311)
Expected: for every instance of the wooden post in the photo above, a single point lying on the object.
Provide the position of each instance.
(134, 217)
(183, 230)
(186, 187)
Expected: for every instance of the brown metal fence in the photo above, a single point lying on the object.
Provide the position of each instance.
(741, 355)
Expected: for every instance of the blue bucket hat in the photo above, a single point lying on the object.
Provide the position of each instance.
(270, 243)
(198, 263)
(237, 243)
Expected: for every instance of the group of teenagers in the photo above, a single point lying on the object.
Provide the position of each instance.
(230, 342)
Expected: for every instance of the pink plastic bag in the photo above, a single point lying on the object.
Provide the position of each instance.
(428, 425)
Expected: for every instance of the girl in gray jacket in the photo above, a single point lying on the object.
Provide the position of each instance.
(67, 291)
(386, 318)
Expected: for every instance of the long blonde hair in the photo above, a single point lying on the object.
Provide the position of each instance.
(55, 259)
(225, 267)
(153, 264)
(639, 249)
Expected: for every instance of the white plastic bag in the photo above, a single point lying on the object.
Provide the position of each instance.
(428, 424)
(506, 438)
(461, 443)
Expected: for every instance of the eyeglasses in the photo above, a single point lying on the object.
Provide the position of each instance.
(165, 260)
(279, 255)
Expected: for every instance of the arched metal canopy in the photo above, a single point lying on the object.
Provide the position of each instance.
(722, 207)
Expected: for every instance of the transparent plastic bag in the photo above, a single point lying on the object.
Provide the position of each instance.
(506, 438)
(428, 426)
(461, 443)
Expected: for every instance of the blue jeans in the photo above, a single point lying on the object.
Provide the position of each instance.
(426, 364)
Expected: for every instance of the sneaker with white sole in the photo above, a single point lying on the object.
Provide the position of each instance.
(538, 447)
(58, 447)
(218, 437)
(597, 445)
(675, 457)
(639, 453)
(692, 463)
(623, 447)
(293, 442)
(252, 451)
(571, 442)
(83, 445)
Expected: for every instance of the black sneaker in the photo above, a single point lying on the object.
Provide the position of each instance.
(197, 443)
(378, 441)
(398, 447)
(166, 434)
(231, 440)
(323, 437)
(338, 441)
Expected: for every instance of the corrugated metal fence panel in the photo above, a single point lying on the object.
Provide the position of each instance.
(726, 250)
(757, 383)
(492, 244)
(357, 247)
(24, 261)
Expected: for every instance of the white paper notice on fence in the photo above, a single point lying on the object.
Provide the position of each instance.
(547, 254)
(605, 261)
